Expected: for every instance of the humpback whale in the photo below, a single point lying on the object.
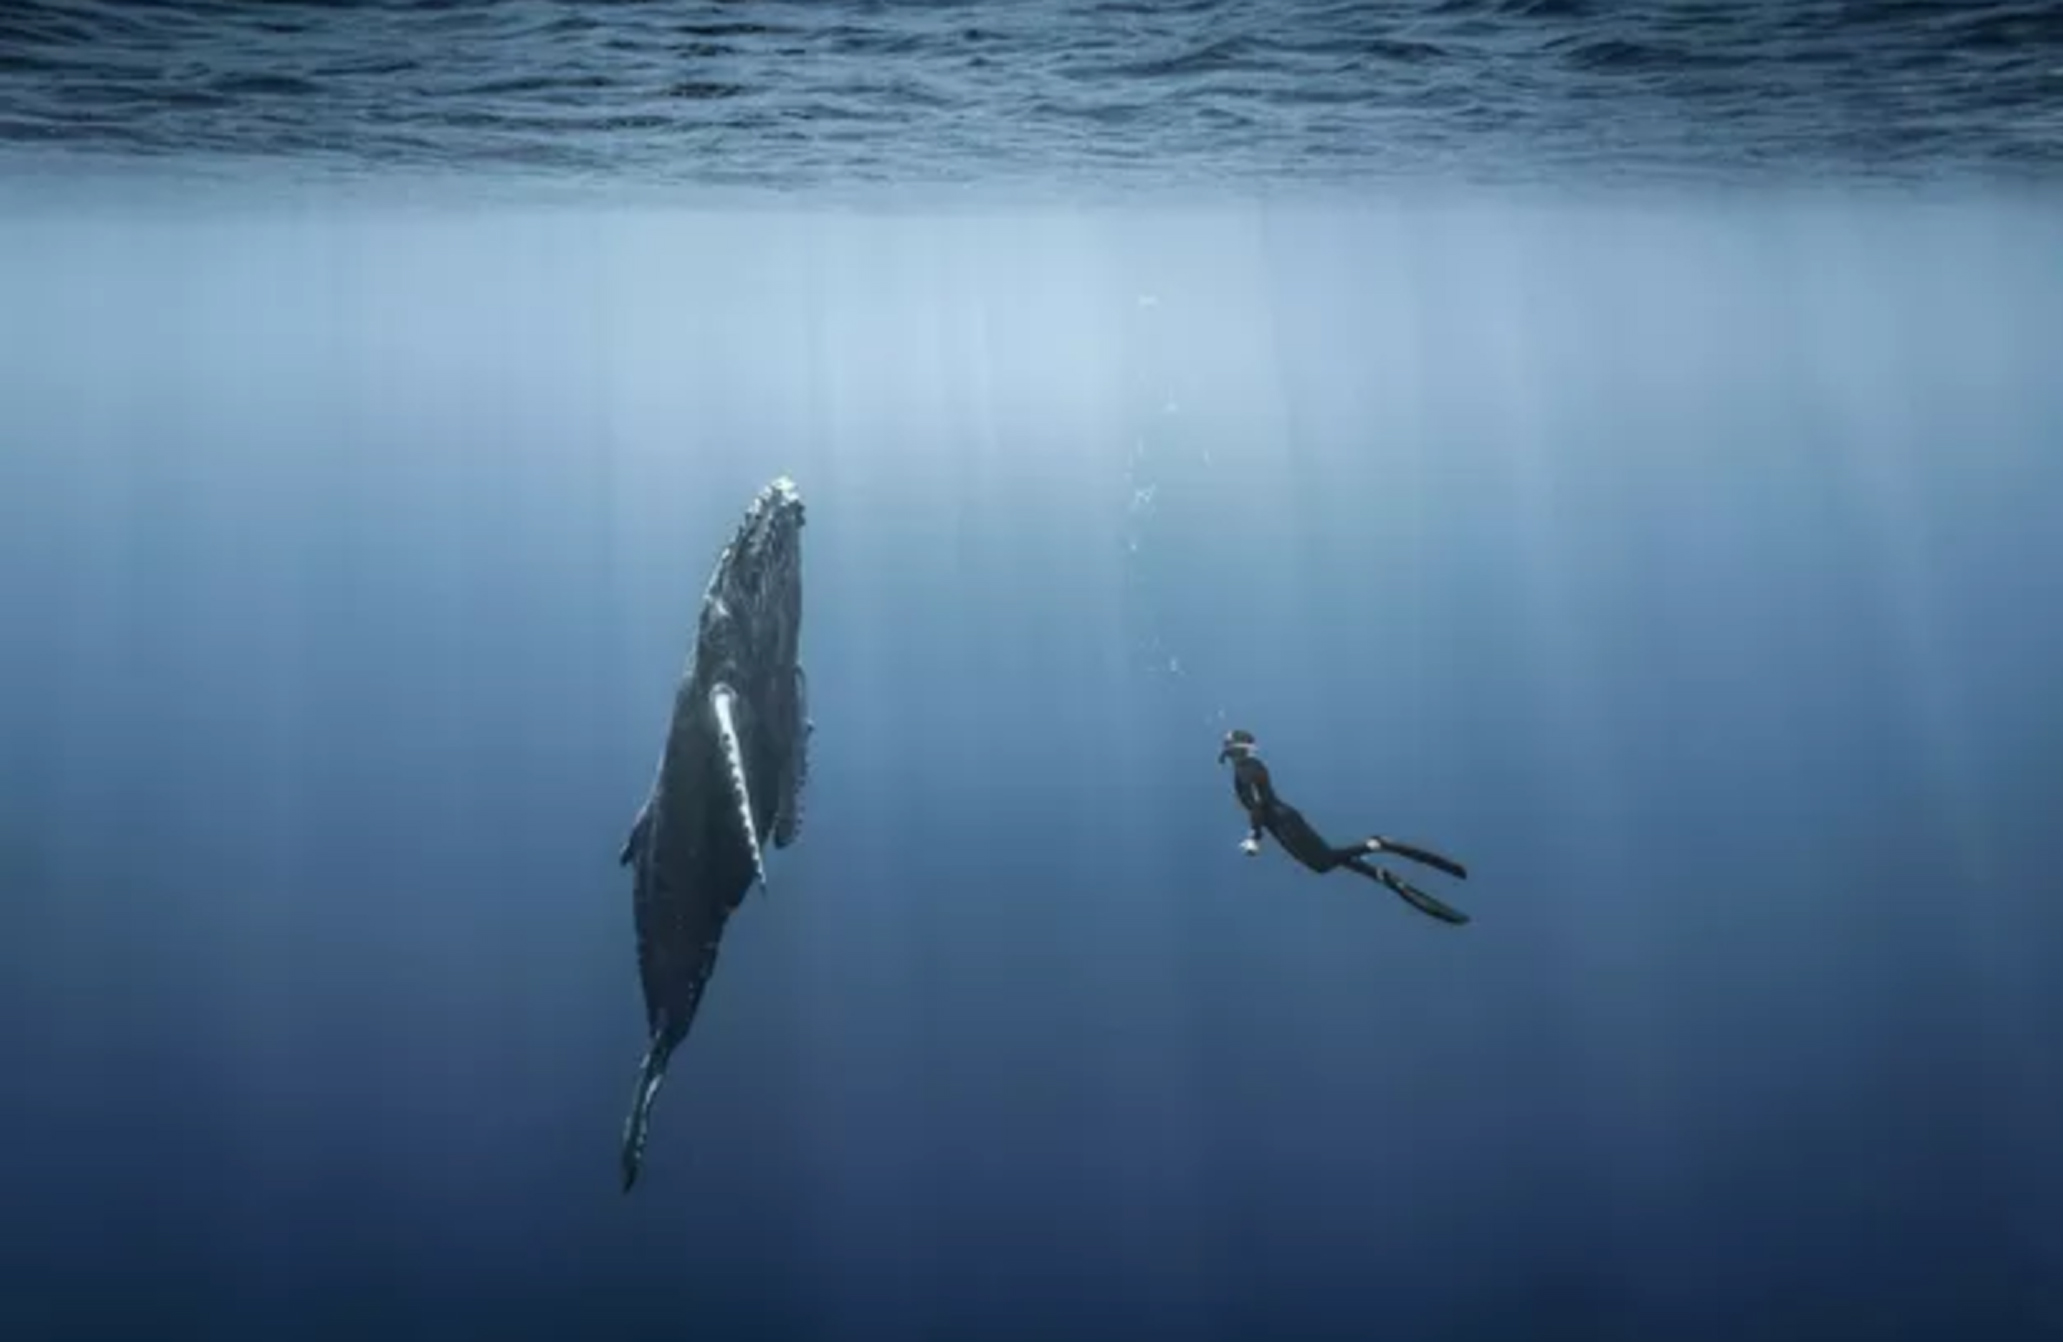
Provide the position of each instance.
(729, 784)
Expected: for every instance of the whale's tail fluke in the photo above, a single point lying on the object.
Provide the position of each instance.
(650, 1073)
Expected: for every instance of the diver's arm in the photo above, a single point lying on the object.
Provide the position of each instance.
(1254, 794)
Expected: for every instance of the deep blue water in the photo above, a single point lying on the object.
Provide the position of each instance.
(1691, 576)
(1685, 559)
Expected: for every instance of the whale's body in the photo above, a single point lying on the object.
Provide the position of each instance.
(729, 784)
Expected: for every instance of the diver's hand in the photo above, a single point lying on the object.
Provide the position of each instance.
(1250, 846)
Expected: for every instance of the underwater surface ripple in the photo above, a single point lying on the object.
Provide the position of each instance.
(794, 96)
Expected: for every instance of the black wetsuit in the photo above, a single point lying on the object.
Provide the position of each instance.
(1276, 817)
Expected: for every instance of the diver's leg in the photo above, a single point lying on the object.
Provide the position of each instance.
(1317, 856)
(1409, 893)
(1413, 853)
(1321, 859)
(1295, 836)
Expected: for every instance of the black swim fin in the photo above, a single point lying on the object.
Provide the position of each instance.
(1426, 857)
(1420, 900)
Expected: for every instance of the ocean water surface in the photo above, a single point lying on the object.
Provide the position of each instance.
(1197, 96)
(1619, 447)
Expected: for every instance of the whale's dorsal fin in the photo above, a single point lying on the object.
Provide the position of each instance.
(634, 842)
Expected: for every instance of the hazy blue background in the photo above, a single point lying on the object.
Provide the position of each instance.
(1687, 562)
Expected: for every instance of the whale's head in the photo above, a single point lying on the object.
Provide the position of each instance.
(751, 624)
(748, 665)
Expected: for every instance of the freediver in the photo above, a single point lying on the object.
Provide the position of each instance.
(1274, 816)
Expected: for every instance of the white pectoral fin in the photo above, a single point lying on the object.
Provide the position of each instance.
(722, 706)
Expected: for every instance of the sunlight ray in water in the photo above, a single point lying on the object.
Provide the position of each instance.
(1889, 399)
